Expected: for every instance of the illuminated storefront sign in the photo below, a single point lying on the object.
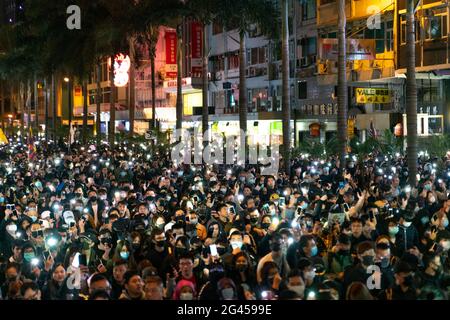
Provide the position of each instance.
(373, 95)
(197, 48)
(171, 54)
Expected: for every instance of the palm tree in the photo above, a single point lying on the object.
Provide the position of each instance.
(204, 11)
(132, 97)
(156, 13)
(242, 15)
(411, 94)
(342, 85)
(285, 84)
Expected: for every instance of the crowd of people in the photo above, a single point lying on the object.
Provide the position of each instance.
(127, 224)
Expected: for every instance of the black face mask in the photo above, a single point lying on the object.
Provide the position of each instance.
(253, 221)
(93, 199)
(276, 246)
(160, 243)
(136, 246)
(408, 281)
(367, 260)
(265, 225)
(344, 252)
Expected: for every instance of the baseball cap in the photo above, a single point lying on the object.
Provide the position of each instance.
(45, 214)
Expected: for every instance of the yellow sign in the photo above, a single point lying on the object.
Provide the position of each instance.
(3, 138)
(351, 128)
(373, 95)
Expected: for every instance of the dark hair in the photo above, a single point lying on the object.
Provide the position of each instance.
(99, 294)
(358, 291)
(365, 246)
(119, 262)
(265, 270)
(294, 273)
(304, 240)
(288, 295)
(128, 275)
(28, 285)
(186, 255)
(97, 277)
(14, 265)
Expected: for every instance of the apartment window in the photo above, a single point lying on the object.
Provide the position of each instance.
(302, 89)
(403, 29)
(233, 61)
(256, 55)
(308, 9)
(435, 24)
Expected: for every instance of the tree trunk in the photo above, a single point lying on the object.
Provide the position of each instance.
(54, 106)
(243, 109)
(132, 87)
(2, 84)
(286, 93)
(85, 111)
(205, 112)
(179, 105)
(97, 101)
(36, 105)
(69, 89)
(411, 95)
(46, 98)
(342, 87)
(152, 66)
(112, 108)
(29, 109)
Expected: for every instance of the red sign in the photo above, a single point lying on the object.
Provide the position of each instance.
(197, 49)
(314, 129)
(171, 54)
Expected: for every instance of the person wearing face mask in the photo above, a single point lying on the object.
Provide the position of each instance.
(339, 258)
(276, 255)
(358, 273)
(236, 241)
(404, 288)
(432, 274)
(407, 236)
(95, 208)
(226, 289)
(295, 283)
(306, 247)
(184, 290)
(242, 273)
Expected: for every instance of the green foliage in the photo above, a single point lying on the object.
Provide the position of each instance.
(315, 148)
(436, 146)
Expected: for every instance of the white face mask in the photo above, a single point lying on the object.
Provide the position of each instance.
(300, 290)
(236, 244)
(445, 245)
(310, 275)
(186, 296)
(406, 224)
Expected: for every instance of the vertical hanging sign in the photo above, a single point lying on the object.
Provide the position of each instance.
(197, 49)
(171, 54)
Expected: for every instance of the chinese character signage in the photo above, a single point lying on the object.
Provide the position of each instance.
(373, 95)
(197, 48)
(171, 54)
